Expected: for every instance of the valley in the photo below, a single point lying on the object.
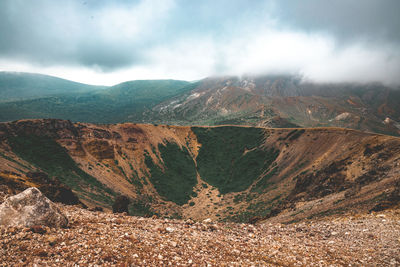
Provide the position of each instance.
(226, 173)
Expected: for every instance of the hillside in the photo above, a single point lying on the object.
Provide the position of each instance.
(19, 86)
(225, 173)
(120, 103)
(284, 101)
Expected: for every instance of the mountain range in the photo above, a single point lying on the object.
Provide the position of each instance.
(268, 101)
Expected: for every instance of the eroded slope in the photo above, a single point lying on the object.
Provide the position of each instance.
(227, 173)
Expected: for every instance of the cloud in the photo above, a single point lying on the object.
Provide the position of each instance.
(105, 42)
(271, 51)
(107, 36)
(347, 20)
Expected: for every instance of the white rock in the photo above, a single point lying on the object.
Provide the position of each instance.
(29, 208)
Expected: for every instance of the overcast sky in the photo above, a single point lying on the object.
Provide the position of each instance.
(107, 42)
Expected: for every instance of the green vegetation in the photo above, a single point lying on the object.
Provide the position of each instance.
(141, 207)
(46, 154)
(175, 181)
(136, 182)
(238, 198)
(230, 158)
(18, 86)
(121, 103)
(293, 135)
(259, 209)
(296, 134)
(146, 90)
(264, 182)
(246, 117)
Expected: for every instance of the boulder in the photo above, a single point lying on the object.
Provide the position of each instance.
(30, 208)
(121, 204)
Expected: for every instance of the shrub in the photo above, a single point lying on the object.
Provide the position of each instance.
(121, 204)
(222, 161)
(176, 180)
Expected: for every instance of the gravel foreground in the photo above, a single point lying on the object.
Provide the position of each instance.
(97, 238)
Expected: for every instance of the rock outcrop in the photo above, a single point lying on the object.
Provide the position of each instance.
(30, 208)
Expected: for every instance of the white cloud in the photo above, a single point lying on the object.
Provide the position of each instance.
(356, 63)
(129, 23)
(271, 51)
(119, 41)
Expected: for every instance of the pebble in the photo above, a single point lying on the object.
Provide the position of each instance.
(52, 240)
(169, 229)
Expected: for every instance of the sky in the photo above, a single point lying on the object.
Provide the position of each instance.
(108, 42)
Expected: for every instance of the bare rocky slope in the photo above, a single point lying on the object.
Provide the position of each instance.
(229, 173)
(283, 101)
(100, 238)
